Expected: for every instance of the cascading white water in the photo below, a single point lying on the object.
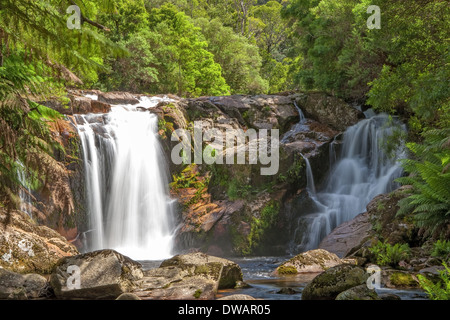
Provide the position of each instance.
(126, 182)
(362, 172)
(299, 126)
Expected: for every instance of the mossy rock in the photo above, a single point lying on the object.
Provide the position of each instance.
(329, 284)
(402, 280)
(361, 292)
(287, 270)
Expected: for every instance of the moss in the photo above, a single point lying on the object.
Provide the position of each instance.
(197, 293)
(401, 279)
(287, 270)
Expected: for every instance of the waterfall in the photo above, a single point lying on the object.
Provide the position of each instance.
(24, 192)
(361, 172)
(298, 127)
(126, 182)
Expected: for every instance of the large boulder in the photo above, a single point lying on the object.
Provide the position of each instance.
(329, 284)
(28, 248)
(22, 286)
(194, 276)
(103, 274)
(313, 261)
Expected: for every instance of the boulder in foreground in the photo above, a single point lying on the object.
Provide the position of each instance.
(194, 276)
(329, 284)
(103, 274)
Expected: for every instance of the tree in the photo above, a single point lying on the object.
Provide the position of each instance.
(184, 65)
(240, 60)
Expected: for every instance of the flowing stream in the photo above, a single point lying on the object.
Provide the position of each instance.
(126, 182)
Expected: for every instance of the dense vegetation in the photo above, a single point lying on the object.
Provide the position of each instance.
(220, 47)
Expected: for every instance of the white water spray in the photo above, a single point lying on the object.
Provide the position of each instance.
(126, 181)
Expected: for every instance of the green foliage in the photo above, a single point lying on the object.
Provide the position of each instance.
(388, 255)
(239, 59)
(429, 177)
(441, 249)
(439, 290)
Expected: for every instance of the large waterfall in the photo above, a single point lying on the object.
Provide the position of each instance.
(361, 172)
(126, 182)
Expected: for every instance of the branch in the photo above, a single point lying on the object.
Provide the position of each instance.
(92, 23)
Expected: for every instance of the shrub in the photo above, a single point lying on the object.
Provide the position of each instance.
(388, 255)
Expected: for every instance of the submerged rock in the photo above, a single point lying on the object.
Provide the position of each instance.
(103, 274)
(329, 284)
(22, 286)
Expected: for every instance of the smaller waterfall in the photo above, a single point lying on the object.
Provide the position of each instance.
(361, 172)
(310, 185)
(298, 127)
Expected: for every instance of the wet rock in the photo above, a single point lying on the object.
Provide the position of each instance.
(99, 107)
(333, 281)
(80, 104)
(22, 286)
(361, 292)
(389, 296)
(349, 236)
(117, 98)
(27, 248)
(103, 274)
(313, 261)
(287, 291)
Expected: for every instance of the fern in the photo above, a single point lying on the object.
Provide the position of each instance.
(429, 176)
(439, 290)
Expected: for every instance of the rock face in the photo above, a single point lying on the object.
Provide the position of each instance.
(349, 236)
(27, 248)
(117, 98)
(313, 261)
(328, 110)
(194, 276)
(22, 286)
(104, 274)
(329, 284)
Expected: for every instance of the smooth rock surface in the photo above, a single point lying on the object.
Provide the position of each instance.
(103, 274)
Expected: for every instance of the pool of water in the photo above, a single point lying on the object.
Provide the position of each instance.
(263, 284)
